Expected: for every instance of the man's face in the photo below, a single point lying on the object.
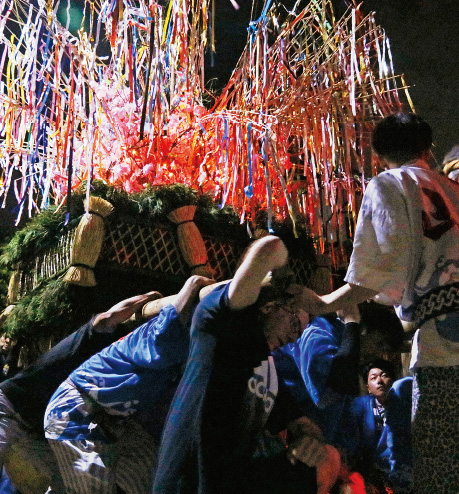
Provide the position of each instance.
(6, 343)
(283, 324)
(379, 383)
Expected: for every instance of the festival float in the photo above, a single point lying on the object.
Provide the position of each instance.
(133, 175)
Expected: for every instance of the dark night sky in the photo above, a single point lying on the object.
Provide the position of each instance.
(424, 36)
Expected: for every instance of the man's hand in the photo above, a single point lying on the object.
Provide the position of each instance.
(184, 301)
(307, 299)
(328, 470)
(350, 313)
(196, 282)
(122, 311)
(308, 450)
(308, 447)
(187, 298)
(306, 443)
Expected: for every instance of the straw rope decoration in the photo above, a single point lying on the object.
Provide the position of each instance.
(450, 166)
(13, 287)
(290, 133)
(87, 243)
(190, 241)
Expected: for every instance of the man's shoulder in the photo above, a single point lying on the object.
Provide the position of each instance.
(411, 173)
(321, 330)
(362, 402)
(217, 304)
(216, 299)
(403, 386)
(388, 180)
(213, 313)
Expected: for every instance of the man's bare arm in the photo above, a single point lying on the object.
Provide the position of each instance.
(347, 295)
(265, 255)
(187, 298)
(105, 322)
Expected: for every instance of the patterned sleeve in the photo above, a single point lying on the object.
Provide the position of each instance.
(163, 343)
(383, 240)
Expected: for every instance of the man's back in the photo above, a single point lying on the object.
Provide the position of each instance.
(406, 248)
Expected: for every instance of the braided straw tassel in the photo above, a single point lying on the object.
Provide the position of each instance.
(190, 241)
(13, 287)
(87, 243)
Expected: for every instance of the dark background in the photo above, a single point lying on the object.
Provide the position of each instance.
(424, 37)
(425, 46)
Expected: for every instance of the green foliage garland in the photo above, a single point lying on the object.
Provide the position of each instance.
(55, 309)
(151, 205)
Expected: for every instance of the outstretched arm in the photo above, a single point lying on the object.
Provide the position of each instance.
(346, 295)
(186, 299)
(106, 322)
(264, 255)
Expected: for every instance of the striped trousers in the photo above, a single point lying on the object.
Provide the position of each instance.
(98, 467)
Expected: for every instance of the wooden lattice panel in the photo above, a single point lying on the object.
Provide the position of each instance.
(222, 257)
(143, 247)
(47, 264)
(302, 269)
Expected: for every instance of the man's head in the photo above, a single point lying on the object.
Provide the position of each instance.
(379, 374)
(6, 343)
(282, 322)
(402, 137)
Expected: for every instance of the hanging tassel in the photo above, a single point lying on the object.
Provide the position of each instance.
(115, 19)
(14, 287)
(87, 243)
(190, 240)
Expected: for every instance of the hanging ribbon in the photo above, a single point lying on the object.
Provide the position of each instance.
(225, 159)
(248, 189)
(264, 155)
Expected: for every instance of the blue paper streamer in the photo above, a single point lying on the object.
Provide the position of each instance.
(248, 189)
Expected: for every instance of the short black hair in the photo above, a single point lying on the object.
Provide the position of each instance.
(378, 363)
(273, 292)
(402, 137)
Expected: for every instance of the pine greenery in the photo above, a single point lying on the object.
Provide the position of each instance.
(55, 309)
